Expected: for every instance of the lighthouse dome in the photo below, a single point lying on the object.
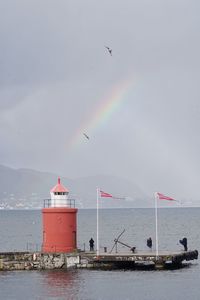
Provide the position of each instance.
(59, 188)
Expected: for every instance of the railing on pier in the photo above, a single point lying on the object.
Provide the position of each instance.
(59, 203)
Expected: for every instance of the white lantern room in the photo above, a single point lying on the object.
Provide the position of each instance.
(59, 195)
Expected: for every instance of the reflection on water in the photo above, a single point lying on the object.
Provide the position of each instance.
(110, 285)
(60, 283)
(100, 285)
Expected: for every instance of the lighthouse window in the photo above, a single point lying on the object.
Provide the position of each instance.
(60, 193)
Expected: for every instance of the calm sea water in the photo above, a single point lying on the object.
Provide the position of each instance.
(21, 230)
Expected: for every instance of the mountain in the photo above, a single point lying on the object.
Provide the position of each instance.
(25, 188)
(119, 187)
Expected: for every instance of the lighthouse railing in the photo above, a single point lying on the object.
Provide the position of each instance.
(59, 203)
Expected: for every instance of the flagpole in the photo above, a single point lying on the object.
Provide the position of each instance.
(97, 222)
(156, 217)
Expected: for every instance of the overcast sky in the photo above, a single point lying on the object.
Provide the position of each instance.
(55, 72)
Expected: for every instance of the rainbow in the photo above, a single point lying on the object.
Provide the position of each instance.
(103, 112)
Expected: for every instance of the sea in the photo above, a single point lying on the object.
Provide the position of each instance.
(21, 230)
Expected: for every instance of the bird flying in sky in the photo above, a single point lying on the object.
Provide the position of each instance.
(109, 50)
(87, 137)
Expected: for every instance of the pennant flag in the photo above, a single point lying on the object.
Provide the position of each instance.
(163, 197)
(105, 195)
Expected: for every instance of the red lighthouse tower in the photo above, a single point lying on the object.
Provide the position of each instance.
(59, 221)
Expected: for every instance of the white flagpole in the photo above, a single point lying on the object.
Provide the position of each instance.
(97, 222)
(156, 217)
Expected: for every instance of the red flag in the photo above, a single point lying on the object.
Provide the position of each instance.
(105, 195)
(163, 197)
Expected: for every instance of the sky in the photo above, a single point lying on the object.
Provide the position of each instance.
(140, 107)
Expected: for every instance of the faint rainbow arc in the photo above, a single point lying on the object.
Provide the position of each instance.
(102, 112)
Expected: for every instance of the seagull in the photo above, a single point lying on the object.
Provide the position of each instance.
(87, 137)
(110, 50)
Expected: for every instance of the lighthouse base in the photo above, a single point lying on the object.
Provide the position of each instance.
(59, 230)
(56, 249)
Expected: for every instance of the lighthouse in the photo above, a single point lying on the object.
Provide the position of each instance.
(59, 221)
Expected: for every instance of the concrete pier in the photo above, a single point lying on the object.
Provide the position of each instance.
(139, 260)
(142, 260)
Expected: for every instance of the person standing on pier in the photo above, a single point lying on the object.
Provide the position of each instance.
(91, 242)
(184, 243)
(149, 242)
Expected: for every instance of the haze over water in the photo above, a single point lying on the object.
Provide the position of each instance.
(22, 229)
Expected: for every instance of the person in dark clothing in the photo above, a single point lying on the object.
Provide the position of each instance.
(184, 243)
(149, 242)
(91, 242)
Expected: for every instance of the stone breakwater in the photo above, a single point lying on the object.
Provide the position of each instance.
(37, 261)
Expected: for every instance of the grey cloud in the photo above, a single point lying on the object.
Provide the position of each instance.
(55, 72)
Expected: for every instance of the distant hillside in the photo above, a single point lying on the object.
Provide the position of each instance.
(24, 188)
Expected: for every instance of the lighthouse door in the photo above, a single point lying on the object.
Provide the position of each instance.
(44, 236)
(74, 238)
